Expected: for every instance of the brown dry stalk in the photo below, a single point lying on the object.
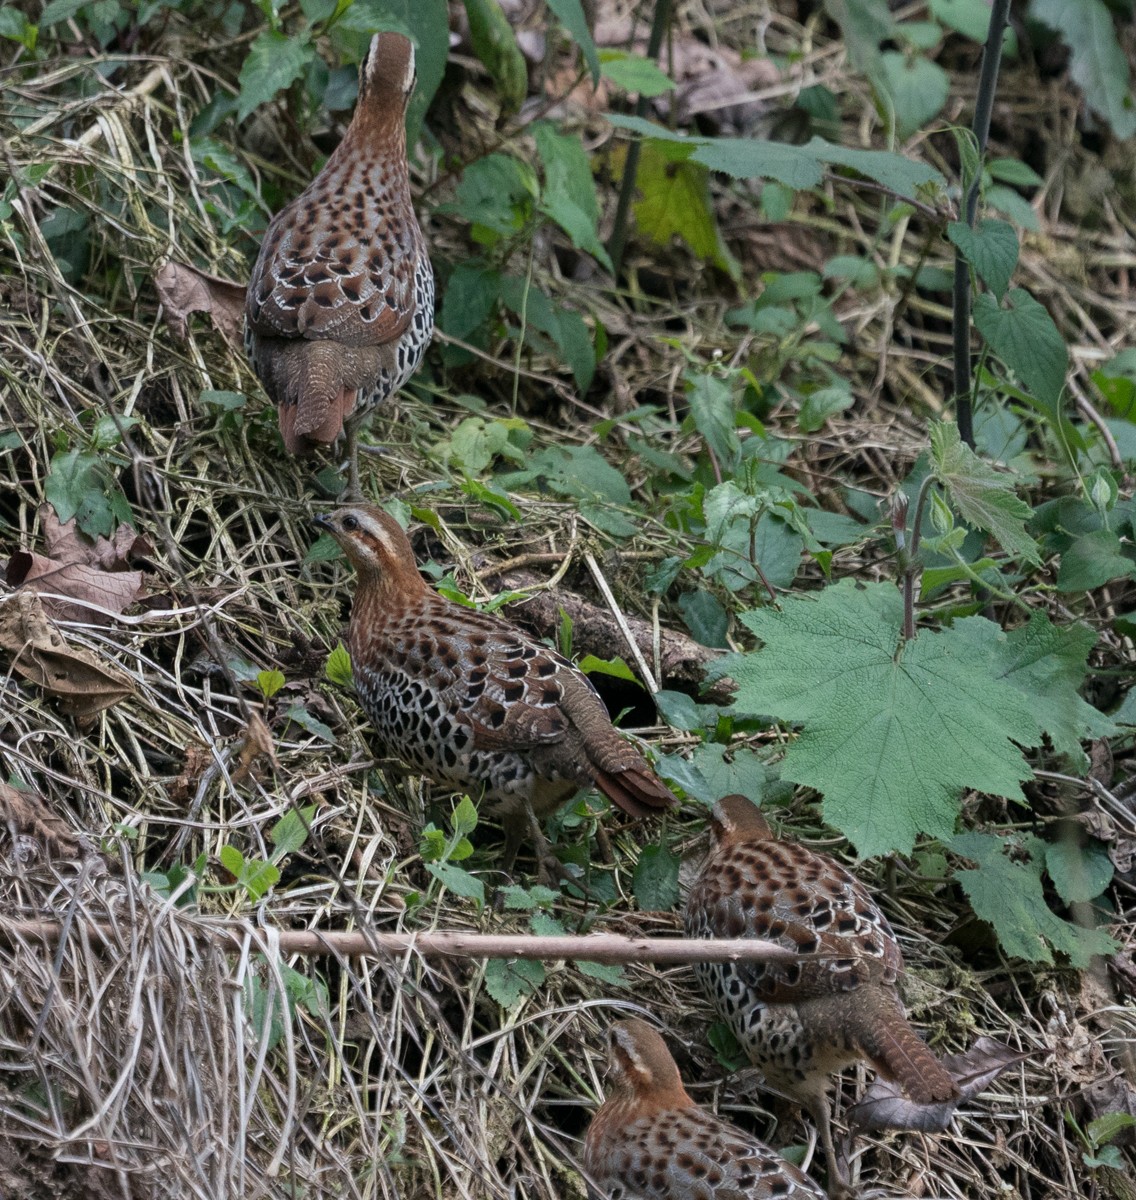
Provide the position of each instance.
(595, 947)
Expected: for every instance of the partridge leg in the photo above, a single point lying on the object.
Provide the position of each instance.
(351, 434)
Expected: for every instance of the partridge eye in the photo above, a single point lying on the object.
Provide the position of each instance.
(350, 524)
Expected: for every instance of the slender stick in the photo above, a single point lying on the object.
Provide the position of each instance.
(984, 106)
(595, 947)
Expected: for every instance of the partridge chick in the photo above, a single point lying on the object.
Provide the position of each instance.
(340, 306)
(799, 1022)
(650, 1141)
(469, 700)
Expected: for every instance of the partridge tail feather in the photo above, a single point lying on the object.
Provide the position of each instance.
(638, 791)
(898, 1053)
(315, 420)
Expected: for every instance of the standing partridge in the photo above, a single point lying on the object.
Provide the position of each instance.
(340, 306)
(650, 1141)
(469, 700)
(801, 1021)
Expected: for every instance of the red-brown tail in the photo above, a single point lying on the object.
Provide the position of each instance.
(895, 1049)
(314, 421)
(637, 790)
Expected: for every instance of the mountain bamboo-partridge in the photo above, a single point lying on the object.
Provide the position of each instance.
(799, 1022)
(650, 1141)
(340, 306)
(468, 700)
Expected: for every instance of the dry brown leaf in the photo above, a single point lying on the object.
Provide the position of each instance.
(198, 758)
(884, 1106)
(183, 290)
(258, 740)
(90, 572)
(25, 814)
(82, 683)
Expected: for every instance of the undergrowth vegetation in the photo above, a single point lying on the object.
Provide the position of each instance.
(795, 408)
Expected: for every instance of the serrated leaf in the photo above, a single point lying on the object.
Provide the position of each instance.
(984, 497)
(517, 898)
(459, 881)
(892, 733)
(1025, 338)
(274, 62)
(544, 924)
(1092, 560)
(609, 973)
(1079, 873)
(1007, 894)
(79, 486)
(291, 831)
(1098, 64)
(991, 248)
(825, 402)
(338, 666)
(1103, 1129)
(674, 201)
(258, 877)
(634, 73)
(508, 981)
(715, 415)
(655, 882)
(569, 194)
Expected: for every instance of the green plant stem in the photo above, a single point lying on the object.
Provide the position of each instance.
(617, 243)
(984, 106)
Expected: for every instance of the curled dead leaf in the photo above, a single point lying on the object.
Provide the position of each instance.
(81, 682)
(884, 1106)
(183, 290)
(25, 815)
(258, 740)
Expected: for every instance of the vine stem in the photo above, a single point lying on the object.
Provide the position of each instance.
(984, 106)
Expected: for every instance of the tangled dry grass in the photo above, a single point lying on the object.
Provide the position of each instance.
(152, 1061)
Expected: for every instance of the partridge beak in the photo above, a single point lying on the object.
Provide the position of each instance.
(322, 521)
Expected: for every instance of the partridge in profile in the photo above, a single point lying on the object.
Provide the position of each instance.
(470, 701)
(340, 306)
(650, 1141)
(800, 1021)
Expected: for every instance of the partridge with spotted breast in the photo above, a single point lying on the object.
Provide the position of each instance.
(800, 1021)
(469, 700)
(340, 306)
(650, 1141)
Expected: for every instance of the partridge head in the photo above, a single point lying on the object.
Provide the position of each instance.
(469, 700)
(650, 1141)
(802, 1020)
(340, 306)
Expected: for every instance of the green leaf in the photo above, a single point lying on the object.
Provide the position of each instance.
(496, 195)
(60, 10)
(984, 497)
(495, 45)
(1092, 560)
(338, 667)
(635, 74)
(232, 860)
(463, 820)
(705, 617)
(570, 14)
(1007, 893)
(459, 881)
(904, 176)
(971, 18)
(864, 24)
(569, 194)
(825, 402)
(1046, 663)
(510, 980)
(292, 830)
(609, 973)
(1079, 873)
(79, 486)
(893, 732)
(675, 202)
(655, 882)
(274, 62)
(258, 877)
(1098, 64)
(615, 667)
(715, 416)
(15, 26)
(298, 713)
(683, 712)
(1025, 338)
(226, 401)
(918, 89)
(1103, 1129)
(720, 772)
(269, 683)
(991, 248)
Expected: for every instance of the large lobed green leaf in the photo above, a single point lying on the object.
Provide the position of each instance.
(892, 732)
